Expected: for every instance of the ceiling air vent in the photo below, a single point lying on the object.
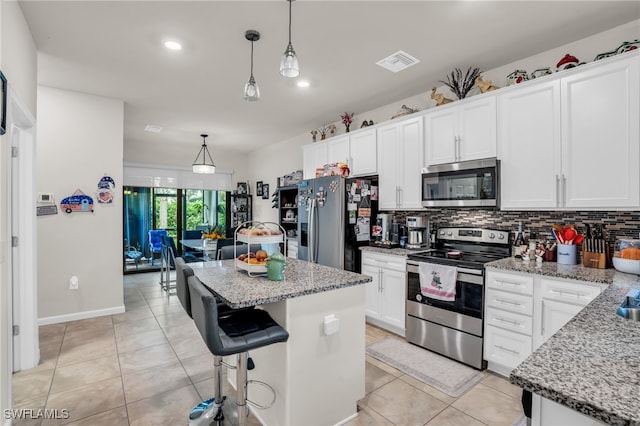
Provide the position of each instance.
(398, 61)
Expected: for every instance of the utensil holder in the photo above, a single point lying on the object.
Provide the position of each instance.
(567, 254)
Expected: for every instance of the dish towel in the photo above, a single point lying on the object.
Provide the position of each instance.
(438, 281)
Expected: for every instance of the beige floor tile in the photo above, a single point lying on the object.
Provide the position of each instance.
(174, 319)
(87, 350)
(114, 417)
(427, 389)
(132, 342)
(153, 381)
(82, 336)
(52, 329)
(199, 367)
(187, 329)
(402, 404)
(28, 385)
(131, 302)
(167, 309)
(133, 314)
(48, 357)
(146, 324)
(452, 417)
(97, 322)
(84, 373)
(502, 384)
(169, 408)
(368, 417)
(87, 400)
(189, 346)
(144, 358)
(489, 406)
(385, 367)
(162, 301)
(375, 377)
(29, 417)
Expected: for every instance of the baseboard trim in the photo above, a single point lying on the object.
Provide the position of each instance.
(81, 315)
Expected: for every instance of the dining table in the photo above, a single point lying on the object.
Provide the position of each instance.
(208, 247)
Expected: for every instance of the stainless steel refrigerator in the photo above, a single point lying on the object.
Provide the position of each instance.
(334, 220)
(321, 207)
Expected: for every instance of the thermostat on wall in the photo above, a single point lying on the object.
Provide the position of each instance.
(46, 199)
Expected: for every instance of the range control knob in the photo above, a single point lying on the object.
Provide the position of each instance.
(441, 232)
(492, 235)
(449, 233)
(501, 236)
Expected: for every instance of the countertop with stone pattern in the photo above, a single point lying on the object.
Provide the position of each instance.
(392, 251)
(238, 290)
(592, 364)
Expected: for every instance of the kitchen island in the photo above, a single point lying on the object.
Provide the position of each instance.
(318, 374)
(592, 364)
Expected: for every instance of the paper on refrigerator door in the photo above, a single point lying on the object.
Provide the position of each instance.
(362, 229)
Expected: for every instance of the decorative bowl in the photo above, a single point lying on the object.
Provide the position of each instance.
(626, 255)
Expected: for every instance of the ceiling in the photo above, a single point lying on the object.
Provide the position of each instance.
(114, 49)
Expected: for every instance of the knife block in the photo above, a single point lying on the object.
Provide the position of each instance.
(595, 260)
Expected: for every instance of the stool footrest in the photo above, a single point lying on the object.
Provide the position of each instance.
(266, 385)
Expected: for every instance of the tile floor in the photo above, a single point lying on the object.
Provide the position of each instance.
(149, 366)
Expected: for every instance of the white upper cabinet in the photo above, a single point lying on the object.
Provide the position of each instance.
(313, 155)
(529, 146)
(600, 138)
(363, 145)
(400, 154)
(572, 142)
(338, 150)
(461, 132)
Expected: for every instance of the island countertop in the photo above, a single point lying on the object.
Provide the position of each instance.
(239, 290)
(591, 364)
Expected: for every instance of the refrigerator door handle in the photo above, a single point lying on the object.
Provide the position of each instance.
(310, 229)
(315, 242)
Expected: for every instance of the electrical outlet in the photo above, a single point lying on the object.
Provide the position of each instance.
(73, 283)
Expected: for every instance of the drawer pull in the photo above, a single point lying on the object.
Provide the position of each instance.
(566, 293)
(508, 321)
(512, 284)
(508, 350)
(508, 302)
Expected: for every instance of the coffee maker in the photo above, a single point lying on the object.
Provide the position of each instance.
(382, 228)
(417, 232)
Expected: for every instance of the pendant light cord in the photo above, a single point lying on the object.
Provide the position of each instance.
(290, 1)
(251, 58)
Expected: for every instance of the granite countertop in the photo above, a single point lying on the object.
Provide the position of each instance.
(553, 269)
(238, 290)
(393, 251)
(592, 364)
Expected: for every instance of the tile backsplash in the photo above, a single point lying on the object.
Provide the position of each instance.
(535, 223)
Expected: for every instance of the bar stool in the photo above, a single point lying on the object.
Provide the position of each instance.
(233, 334)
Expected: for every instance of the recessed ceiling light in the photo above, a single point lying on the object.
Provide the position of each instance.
(153, 128)
(172, 45)
(303, 83)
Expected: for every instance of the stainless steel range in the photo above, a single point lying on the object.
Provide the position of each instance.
(454, 327)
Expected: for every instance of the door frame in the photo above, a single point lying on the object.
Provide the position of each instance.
(21, 133)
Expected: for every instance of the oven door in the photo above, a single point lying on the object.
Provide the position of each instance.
(464, 313)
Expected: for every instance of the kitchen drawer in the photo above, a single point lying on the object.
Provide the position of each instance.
(508, 320)
(505, 347)
(513, 283)
(518, 303)
(569, 292)
(387, 261)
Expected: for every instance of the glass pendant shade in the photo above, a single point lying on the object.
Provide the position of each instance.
(200, 164)
(289, 66)
(251, 90)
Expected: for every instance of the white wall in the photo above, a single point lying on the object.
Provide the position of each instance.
(80, 138)
(18, 63)
(270, 162)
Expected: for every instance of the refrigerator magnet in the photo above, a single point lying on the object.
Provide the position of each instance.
(352, 206)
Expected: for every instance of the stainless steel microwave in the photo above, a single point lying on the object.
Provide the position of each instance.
(464, 184)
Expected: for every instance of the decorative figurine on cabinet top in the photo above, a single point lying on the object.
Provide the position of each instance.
(484, 85)
(439, 98)
(568, 61)
(518, 76)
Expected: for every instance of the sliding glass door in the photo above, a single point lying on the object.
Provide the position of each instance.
(182, 213)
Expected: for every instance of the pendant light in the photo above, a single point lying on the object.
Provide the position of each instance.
(289, 65)
(251, 89)
(202, 166)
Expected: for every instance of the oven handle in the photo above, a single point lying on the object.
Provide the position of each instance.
(412, 266)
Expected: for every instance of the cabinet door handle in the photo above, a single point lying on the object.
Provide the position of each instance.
(564, 190)
(508, 321)
(566, 293)
(381, 280)
(512, 284)
(508, 302)
(542, 320)
(557, 191)
(508, 350)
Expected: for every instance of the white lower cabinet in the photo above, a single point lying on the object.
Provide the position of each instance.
(385, 294)
(523, 310)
